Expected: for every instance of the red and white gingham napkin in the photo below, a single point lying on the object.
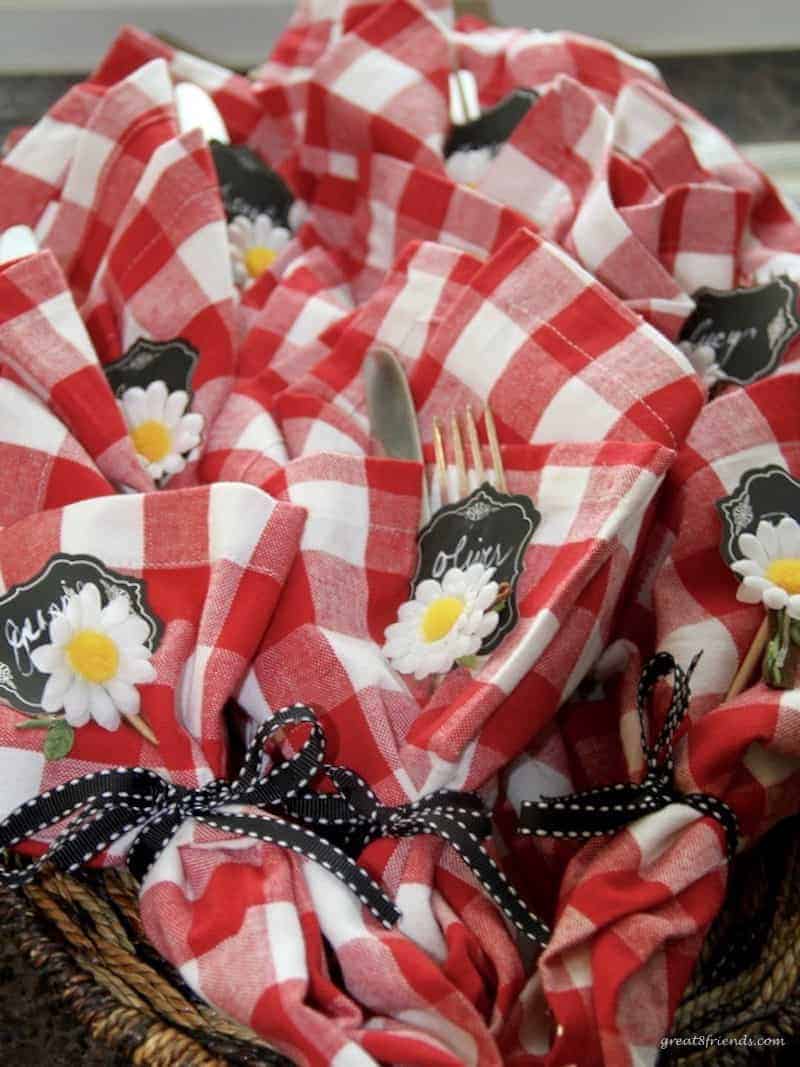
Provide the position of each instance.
(213, 561)
(633, 910)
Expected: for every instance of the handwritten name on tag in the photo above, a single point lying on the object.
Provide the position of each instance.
(27, 610)
(487, 527)
(748, 329)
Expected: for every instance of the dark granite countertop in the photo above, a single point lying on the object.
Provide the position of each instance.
(751, 96)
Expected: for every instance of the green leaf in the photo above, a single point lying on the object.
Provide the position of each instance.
(470, 662)
(794, 632)
(35, 724)
(59, 741)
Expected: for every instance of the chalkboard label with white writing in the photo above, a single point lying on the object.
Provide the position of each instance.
(27, 610)
(748, 329)
(763, 494)
(487, 527)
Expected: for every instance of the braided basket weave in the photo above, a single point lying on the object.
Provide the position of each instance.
(85, 935)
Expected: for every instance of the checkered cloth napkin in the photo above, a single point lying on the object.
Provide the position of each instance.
(633, 910)
(650, 197)
(208, 565)
(594, 489)
(164, 274)
(451, 972)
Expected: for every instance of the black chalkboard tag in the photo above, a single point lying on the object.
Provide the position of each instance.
(248, 186)
(27, 609)
(764, 493)
(172, 362)
(486, 527)
(749, 329)
(494, 127)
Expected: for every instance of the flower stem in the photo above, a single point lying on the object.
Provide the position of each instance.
(780, 657)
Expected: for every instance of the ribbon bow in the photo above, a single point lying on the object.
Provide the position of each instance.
(605, 810)
(460, 819)
(116, 802)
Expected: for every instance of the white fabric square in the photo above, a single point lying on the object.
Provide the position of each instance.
(24, 421)
(20, 777)
(693, 269)
(236, 519)
(286, 941)
(314, 318)
(92, 153)
(561, 490)
(204, 255)
(521, 182)
(576, 413)
(338, 518)
(598, 229)
(375, 77)
(639, 122)
(484, 348)
(110, 528)
(365, 666)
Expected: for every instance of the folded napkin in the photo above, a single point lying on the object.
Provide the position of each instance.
(633, 910)
(157, 603)
(161, 309)
(42, 464)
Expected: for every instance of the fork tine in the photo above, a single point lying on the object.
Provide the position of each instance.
(494, 448)
(441, 459)
(458, 452)
(474, 445)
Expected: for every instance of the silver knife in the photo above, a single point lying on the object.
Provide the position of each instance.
(390, 408)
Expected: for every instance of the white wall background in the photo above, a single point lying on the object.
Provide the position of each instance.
(69, 35)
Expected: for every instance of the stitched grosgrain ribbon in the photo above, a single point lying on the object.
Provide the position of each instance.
(112, 803)
(605, 810)
(115, 802)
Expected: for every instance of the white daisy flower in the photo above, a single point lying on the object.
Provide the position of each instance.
(96, 658)
(160, 428)
(703, 359)
(467, 166)
(255, 245)
(444, 622)
(770, 571)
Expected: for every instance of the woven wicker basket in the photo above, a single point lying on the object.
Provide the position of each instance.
(85, 935)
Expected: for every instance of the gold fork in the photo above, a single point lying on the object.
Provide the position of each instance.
(459, 454)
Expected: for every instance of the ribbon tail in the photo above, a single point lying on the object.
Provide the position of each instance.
(593, 813)
(274, 830)
(717, 809)
(489, 876)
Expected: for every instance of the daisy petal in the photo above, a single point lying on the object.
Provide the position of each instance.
(454, 583)
(76, 701)
(126, 697)
(134, 406)
(91, 606)
(78, 716)
(47, 658)
(793, 607)
(133, 631)
(174, 407)
(136, 671)
(488, 624)
(57, 685)
(428, 590)
(789, 538)
(60, 629)
(751, 547)
(768, 536)
(156, 395)
(115, 612)
(101, 708)
(775, 598)
(73, 613)
(749, 594)
(747, 567)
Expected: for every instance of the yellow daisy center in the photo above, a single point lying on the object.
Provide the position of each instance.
(259, 259)
(786, 574)
(93, 656)
(152, 440)
(440, 617)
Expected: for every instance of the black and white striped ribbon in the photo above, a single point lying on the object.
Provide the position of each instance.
(596, 812)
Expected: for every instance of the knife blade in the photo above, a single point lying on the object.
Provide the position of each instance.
(391, 412)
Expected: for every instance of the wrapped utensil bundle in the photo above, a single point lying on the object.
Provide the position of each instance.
(398, 468)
